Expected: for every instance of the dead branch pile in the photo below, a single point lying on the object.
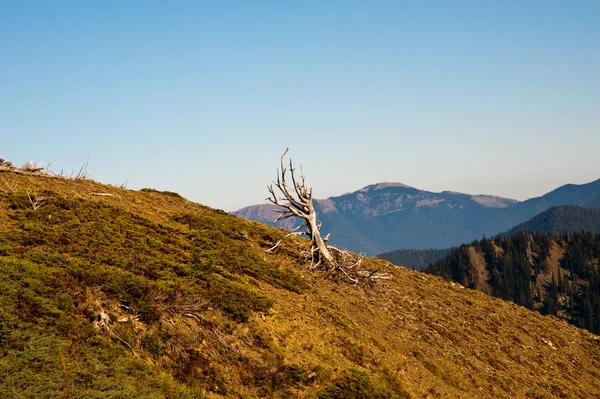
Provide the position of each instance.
(32, 168)
(349, 267)
(29, 167)
(6, 166)
(93, 306)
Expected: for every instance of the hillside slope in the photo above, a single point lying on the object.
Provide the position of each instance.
(112, 293)
(562, 219)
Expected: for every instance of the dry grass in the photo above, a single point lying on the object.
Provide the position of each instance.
(439, 339)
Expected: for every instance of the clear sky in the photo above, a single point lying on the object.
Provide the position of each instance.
(202, 97)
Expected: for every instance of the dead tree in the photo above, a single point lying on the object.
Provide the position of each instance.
(297, 201)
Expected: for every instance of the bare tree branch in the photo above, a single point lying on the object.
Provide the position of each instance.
(37, 201)
(293, 232)
(105, 195)
(10, 186)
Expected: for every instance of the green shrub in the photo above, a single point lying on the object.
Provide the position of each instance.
(168, 193)
(52, 258)
(355, 384)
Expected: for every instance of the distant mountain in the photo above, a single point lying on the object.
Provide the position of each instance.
(416, 259)
(555, 275)
(265, 213)
(387, 216)
(594, 202)
(561, 219)
(569, 194)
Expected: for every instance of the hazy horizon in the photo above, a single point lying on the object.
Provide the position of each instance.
(202, 98)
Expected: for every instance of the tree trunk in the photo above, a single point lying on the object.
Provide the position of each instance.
(317, 240)
(299, 203)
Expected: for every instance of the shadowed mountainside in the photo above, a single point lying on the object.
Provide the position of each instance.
(114, 293)
(416, 259)
(388, 216)
(562, 219)
(558, 219)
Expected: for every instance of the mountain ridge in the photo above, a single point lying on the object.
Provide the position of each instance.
(396, 216)
(567, 194)
(562, 219)
(557, 220)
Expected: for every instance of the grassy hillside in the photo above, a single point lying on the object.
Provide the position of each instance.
(562, 219)
(113, 293)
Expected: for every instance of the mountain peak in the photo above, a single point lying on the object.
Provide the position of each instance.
(383, 185)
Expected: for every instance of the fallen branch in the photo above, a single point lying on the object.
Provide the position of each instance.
(292, 233)
(10, 186)
(106, 195)
(124, 343)
(7, 167)
(103, 324)
(31, 167)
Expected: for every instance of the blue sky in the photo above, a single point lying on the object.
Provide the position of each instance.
(199, 97)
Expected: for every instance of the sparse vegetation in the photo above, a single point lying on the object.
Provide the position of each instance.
(355, 384)
(145, 295)
(168, 193)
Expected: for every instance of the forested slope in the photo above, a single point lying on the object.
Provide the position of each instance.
(562, 219)
(554, 274)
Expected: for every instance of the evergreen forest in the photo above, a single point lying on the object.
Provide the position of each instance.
(554, 274)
